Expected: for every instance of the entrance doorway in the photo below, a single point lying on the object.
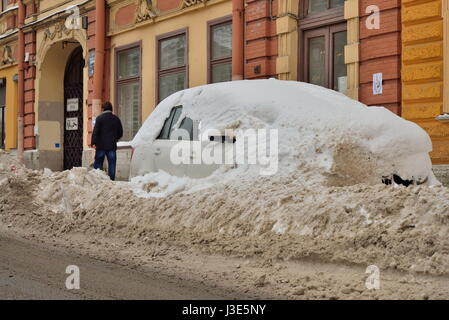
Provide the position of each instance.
(323, 38)
(324, 57)
(73, 110)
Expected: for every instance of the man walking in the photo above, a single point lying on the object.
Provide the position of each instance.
(107, 131)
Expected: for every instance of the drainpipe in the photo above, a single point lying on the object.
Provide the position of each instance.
(21, 82)
(238, 31)
(100, 35)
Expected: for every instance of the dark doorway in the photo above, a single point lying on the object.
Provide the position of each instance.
(2, 112)
(73, 110)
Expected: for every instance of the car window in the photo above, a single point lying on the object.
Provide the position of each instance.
(175, 113)
(176, 116)
(187, 124)
(172, 120)
(166, 128)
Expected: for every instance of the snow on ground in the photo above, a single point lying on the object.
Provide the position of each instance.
(303, 211)
(279, 217)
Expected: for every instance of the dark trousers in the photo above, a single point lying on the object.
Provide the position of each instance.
(112, 161)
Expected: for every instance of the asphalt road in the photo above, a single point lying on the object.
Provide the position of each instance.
(34, 271)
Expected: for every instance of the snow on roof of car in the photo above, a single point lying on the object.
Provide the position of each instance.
(314, 123)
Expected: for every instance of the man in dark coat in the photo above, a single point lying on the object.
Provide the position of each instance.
(107, 131)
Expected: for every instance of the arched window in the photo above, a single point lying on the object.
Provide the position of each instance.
(323, 39)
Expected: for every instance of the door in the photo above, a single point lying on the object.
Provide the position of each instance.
(73, 110)
(324, 57)
(163, 145)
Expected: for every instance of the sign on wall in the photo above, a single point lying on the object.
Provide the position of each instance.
(377, 84)
(72, 104)
(91, 63)
(71, 124)
(342, 84)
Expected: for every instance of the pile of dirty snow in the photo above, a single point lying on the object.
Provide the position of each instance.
(325, 201)
(278, 217)
(66, 191)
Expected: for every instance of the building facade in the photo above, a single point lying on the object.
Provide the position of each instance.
(8, 76)
(74, 55)
(424, 71)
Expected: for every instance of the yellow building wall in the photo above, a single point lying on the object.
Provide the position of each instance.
(422, 71)
(11, 106)
(195, 19)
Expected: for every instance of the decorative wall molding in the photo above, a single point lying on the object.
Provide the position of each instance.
(189, 3)
(145, 11)
(7, 57)
(59, 31)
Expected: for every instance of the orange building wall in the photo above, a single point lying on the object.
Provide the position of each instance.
(422, 71)
(380, 52)
(261, 46)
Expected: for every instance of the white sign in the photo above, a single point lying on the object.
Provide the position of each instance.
(71, 124)
(377, 84)
(342, 84)
(72, 104)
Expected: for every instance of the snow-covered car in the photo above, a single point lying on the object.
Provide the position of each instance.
(317, 130)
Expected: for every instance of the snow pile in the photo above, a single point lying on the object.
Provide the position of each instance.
(161, 184)
(7, 162)
(325, 201)
(278, 217)
(341, 140)
(64, 192)
(158, 184)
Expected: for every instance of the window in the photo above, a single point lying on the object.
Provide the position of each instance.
(172, 120)
(187, 125)
(325, 64)
(220, 50)
(172, 64)
(312, 7)
(128, 89)
(324, 38)
(4, 5)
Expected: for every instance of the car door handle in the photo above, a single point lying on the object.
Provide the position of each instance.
(157, 152)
